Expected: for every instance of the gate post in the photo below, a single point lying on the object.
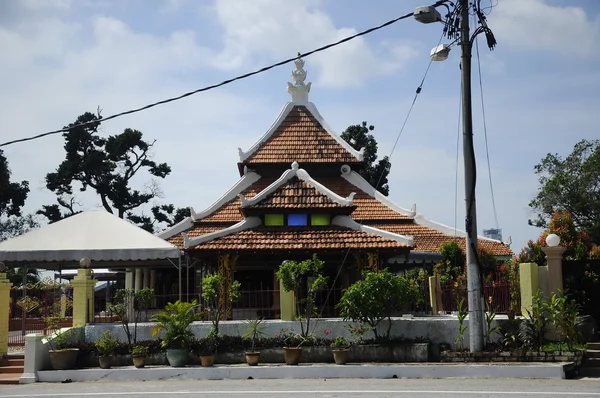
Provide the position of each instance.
(5, 286)
(83, 294)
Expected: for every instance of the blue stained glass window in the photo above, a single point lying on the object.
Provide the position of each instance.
(296, 220)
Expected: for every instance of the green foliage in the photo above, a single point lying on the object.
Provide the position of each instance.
(12, 194)
(140, 351)
(297, 276)
(340, 342)
(453, 264)
(563, 312)
(11, 226)
(462, 328)
(15, 275)
(107, 166)
(174, 320)
(490, 315)
(61, 338)
(375, 172)
(106, 345)
(255, 329)
(377, 297)
(211, 293)
(570, 184)
(290, 338)
(534, 325)
(130, 303)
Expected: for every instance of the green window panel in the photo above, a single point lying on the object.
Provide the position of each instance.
(274, 220)
(320, 219)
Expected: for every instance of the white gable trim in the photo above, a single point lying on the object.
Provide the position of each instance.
(247, 223)
(303, 175)
(358, 181)
(181, 226)
(345, 221)
(284, 112)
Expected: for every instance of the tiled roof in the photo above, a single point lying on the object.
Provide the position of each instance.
(296, 194)
(300, 238)
(196, 230)
(301, 138)
(367, 207)
(430, 240)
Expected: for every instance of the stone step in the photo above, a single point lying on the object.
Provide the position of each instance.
(12, 362)
(9, 378)
(592, 354)
(593, 346)
(11, 369)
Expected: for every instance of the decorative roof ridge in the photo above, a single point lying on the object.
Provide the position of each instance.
(421, 219)
(246, 181)
(303, 175)
(345, 221)
(246, 223)
(358, 181)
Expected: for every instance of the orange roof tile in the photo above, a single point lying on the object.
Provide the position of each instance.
(195, 231)
(301, 138)
(430, 240)
(300, 238)
(296, 194)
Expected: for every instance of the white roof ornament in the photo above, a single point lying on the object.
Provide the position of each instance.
(299, 90)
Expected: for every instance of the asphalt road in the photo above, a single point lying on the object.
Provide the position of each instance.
(289, 388)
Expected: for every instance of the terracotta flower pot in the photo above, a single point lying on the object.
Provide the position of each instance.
(340, 356)
(207, 360)
(292, 355)
(63, 359)
(105, 362)
(252, 358)
(139, 362)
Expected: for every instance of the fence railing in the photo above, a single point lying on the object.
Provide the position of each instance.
(496, 294)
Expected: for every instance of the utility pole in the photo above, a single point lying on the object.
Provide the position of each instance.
(473, 278)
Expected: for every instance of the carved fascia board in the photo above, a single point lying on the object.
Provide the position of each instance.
(303, 175)
(358, 181)
(246, 181)
(345, 221)
(247, 223)
(178, 228)
(282, 115)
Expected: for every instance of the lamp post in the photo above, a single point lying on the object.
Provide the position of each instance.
(429, 14)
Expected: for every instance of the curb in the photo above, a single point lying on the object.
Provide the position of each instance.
(312, 371)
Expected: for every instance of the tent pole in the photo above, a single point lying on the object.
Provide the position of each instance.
(180, 277)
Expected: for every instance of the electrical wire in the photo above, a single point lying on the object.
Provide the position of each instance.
(487, 151)
(225, 82)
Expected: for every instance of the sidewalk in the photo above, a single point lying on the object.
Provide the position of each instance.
(316, 371)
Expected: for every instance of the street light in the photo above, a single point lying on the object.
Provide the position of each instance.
(457, 28)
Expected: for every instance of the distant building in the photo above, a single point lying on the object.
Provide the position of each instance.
(494, 233)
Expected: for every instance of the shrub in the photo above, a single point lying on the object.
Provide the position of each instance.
(106, 344)
(175, 320)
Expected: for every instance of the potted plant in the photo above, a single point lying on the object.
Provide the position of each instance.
(106, 346)
(292, 350)
(139, 354)
(255, 330)
(206, 348)
(175, 320)
(340, 347)
(61, 357)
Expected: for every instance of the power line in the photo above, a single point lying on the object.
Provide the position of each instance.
(223, 83)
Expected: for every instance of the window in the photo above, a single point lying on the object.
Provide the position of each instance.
(274, 220)
(296, 220)
(320, 219)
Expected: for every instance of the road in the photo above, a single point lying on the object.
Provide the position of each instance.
(290, 388)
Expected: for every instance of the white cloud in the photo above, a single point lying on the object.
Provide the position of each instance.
(536, 25)
(279, 29)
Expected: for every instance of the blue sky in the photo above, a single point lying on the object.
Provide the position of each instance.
(61, 58)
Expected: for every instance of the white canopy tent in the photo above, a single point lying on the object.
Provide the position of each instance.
(95, 234)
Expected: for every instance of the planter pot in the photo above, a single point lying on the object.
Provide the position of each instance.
(63, 359)
(177, 356)
(105, 362)
(340, 356)
(139, 362)
(292, 355)
(252, 358)
(207, 360)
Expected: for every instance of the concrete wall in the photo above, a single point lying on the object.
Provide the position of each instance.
(437, 329)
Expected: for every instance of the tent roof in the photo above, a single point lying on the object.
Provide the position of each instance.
(95, 234)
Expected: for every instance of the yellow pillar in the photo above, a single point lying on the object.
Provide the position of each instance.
(373, 261)
(529, 281)
(287, 303)
(554, 261)
(435, 294)
(83, 294)
(5, 286)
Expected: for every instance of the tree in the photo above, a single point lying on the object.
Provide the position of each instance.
(377, 297)
(571, 184)
(375, 172)
(108, 166)
(213, 294)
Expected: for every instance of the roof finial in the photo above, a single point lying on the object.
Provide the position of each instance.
(299, 90)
